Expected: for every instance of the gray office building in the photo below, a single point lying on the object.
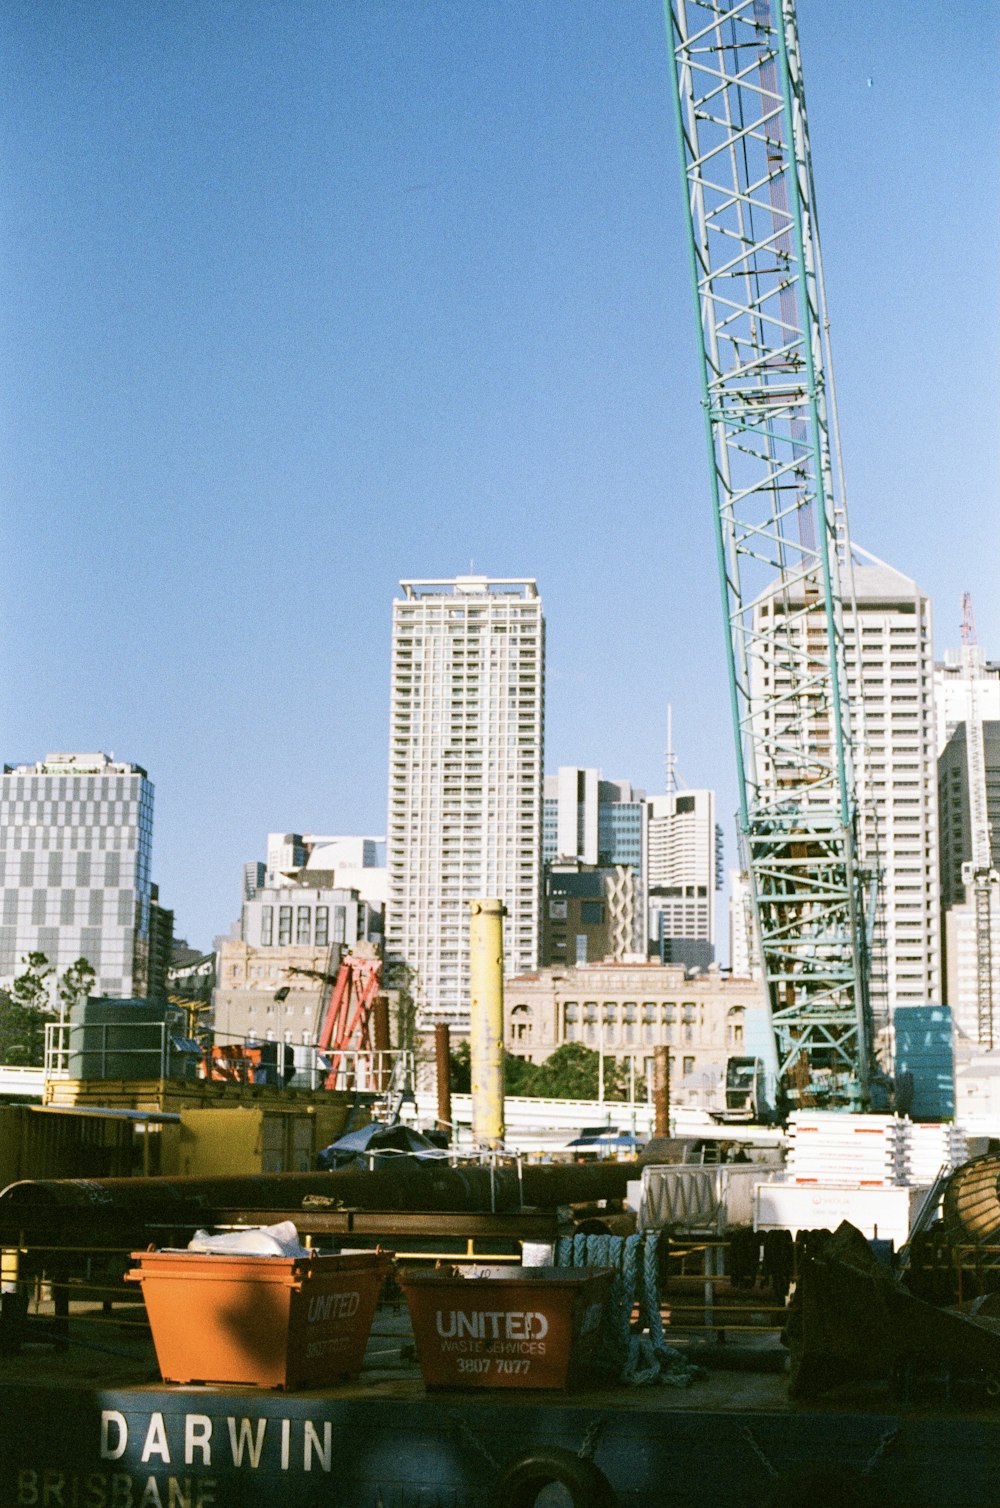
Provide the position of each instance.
(76, 835)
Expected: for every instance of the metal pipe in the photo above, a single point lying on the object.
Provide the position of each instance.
(661, 1091)
(409, 1185)
(380, 1041)
(442, 1063)
(486, 1020)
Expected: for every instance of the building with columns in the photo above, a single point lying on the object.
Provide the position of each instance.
(626, 1010)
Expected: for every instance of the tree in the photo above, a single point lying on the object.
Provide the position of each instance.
(573, 1072)
(398, 980)
(520, 1075)
(460, 1069)
(24, 1011)
(75, 985)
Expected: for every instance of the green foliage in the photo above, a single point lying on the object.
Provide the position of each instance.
(31, 989)
(570, 1073)
(519, 1075)
(76, 984)
(573, 1072)
(398, 979)
(24, 1010)
(460, 1074)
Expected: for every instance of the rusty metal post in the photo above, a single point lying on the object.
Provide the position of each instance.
(486, 1020)
(442, 1062)
(661, 1091)
(380, 1042)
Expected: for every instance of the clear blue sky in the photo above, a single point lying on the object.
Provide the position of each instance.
(300, 297)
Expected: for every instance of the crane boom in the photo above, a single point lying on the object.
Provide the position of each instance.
(780, 528)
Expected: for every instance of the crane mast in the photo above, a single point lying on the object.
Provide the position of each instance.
(780, 529)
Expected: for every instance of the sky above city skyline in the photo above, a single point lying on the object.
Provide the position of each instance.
(301, 298)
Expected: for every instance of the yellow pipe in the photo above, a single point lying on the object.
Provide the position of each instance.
(486, 1020)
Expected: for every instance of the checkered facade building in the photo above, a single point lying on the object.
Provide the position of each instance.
(75, 850)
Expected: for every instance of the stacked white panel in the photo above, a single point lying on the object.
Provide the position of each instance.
(933, 1145)
(836, 1147)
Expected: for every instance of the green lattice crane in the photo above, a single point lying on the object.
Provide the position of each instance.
(781, 532)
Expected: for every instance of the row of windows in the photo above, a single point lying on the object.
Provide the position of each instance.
(72, 787)
(97, 907)
(310, 925)
(57, 868)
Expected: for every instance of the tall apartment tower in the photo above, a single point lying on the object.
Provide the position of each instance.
(76, 835)
(465, 779)
(683, 872)
(888, 650)
(953, 693)
(961, 946)
(890, 653)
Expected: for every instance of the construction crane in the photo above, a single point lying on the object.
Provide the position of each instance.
(978, 874)
(347, 1001)
(781, 533)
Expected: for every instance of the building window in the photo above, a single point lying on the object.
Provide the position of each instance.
(266, 926)
(303, 926)
(284, 926)
(688, 1067)
(322, 926)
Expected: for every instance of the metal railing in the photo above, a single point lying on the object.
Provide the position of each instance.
(115, 1050)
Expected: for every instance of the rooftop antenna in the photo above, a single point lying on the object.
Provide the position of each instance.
(672, 772)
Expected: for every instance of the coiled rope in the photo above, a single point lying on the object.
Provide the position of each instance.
(643, 1356)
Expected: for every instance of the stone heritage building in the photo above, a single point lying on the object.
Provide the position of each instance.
(625, 1010)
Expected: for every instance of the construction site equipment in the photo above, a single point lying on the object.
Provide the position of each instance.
(346, 1007)
(486, 1032)
(781, 532)
(514, 1327)
(850, 1318)
(414, 1186)
(246, 1139)
(694, 1198)
(273, 1322)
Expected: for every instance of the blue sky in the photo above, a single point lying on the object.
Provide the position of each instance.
(300, 298)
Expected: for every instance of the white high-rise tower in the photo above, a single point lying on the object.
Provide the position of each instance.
(889, 664)
(465, 779)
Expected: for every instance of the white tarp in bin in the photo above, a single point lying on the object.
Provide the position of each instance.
(281, 1240)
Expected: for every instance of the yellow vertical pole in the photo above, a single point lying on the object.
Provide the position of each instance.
(486, 1020)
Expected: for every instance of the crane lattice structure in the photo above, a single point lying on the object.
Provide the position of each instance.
(780, 527)
(979, 874)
